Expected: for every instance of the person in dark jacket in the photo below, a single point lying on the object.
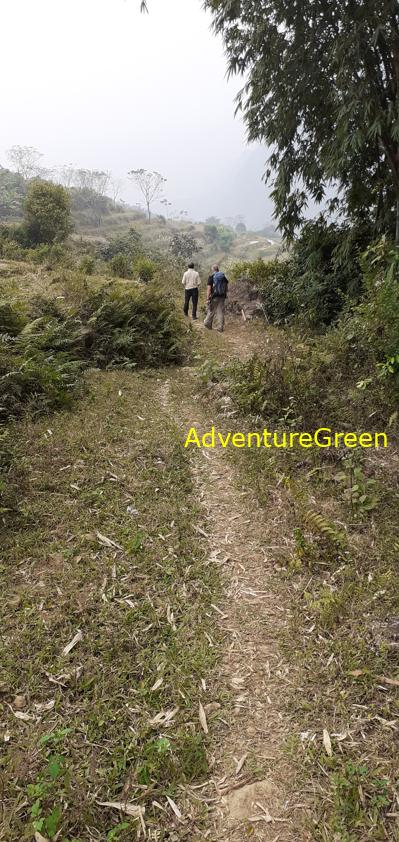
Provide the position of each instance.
(216, 299)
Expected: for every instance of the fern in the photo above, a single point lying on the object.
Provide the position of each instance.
(320, 524)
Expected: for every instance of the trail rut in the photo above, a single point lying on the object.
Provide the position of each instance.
(256, 789)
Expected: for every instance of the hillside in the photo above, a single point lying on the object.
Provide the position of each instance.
(246, 246)
(203, 639)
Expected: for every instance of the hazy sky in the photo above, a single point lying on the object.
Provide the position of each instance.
(96, 84)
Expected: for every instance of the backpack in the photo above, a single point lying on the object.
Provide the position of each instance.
(219, 285)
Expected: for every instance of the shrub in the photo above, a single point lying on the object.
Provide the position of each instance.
(87, 264)
(138, 327)
(321, 274)
(41, 360)
(274, 283)
(11, 250)
(145, 269)
(120, 266)
(49, 256)
(129, 244)
(12, 319)
(47, 212)
(376, 320)
(32, 379)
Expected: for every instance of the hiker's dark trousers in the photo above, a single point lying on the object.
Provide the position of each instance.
(193, 294)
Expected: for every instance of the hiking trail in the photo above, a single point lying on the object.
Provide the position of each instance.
(252, 783)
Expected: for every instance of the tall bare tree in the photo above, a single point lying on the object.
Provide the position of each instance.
(115, 186)
(25, 160)
(150, 185)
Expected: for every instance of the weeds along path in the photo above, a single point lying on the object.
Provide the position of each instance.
(252, 778)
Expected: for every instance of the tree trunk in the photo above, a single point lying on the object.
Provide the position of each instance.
(149, 212)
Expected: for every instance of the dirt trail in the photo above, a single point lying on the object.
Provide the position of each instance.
(256, 791)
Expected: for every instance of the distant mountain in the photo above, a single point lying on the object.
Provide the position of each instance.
(239, 191)
(242, 191)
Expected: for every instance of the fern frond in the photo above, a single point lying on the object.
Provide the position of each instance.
(320, 524)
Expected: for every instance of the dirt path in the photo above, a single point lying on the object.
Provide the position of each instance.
(256, 791)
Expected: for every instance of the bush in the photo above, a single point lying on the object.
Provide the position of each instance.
(41, 360)
(376, 320)
(120, 266)
(274, 283)
(129, 244)
(46, 255)
(87, 264)
(342, 377)
(47, 213)
(138, 327)
(321, 274)
(30, 378)
(145, 269)
(10, 250)
(12, 319)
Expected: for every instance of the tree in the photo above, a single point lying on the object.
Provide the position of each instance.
(322, 90)
(241, 228)
(95, 180)
(116, 185)
(211, 232)
(47, 212)
(25, 160)
(93, 185)
(183, 246)
(167, 206)
(150, 185)
(12, 193)
(67, 175)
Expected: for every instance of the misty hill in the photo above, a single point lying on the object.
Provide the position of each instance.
(240, 191)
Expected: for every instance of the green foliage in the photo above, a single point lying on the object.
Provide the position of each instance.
(35, 379)
(47, 212)
(219, 235)
(120, 266)
(274, 282)
(87, 264)
(12, 319)
(361, 799)
(183, 246)
(358, 489)
(320, 91)
(139, 327)
(49, 788)
(211, 232)
(375, 324)
(129, 244)
(41, 360)
(12, 194)
(320, 274)
(48, 255)
(145, 269)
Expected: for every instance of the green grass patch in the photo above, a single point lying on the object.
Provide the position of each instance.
(101, 544)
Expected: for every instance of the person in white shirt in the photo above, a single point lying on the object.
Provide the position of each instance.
(191, 282)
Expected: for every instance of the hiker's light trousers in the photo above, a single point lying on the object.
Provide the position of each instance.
(215, 312)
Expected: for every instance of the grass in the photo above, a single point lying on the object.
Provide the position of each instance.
(101, 543)
(339, 551)
(248, 246)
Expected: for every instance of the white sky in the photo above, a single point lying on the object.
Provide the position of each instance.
(96, 84)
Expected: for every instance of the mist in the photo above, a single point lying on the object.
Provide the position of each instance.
(99, 85)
